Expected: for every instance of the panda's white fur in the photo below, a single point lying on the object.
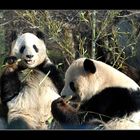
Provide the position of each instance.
(89, 84)
(33, 102)
(126, 123)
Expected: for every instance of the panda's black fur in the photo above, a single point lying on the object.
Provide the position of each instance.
(117, 106)
(70, 118)
(112, 102)
(11, 84)
(65, 114)
(95, 113)
(54, 74)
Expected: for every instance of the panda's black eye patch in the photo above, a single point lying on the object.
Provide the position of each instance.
(72, 86)
(36, 49)
(22, 49)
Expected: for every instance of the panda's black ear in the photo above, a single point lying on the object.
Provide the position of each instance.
(13, 36)
(89, 66)
(40, 35)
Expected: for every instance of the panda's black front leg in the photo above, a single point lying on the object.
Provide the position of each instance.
(65, 114)
(53, 74)
(10, 83)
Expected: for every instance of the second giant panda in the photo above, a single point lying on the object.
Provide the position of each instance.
(29, 83)
(103, 93)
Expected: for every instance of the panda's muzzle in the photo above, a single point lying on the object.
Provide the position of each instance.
(67, 98)
(72, 100)
(29, 61)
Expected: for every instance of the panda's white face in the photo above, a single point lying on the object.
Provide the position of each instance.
(30, 49)
(78, 82)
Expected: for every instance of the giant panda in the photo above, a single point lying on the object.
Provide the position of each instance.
(29, 83)
(102, 92)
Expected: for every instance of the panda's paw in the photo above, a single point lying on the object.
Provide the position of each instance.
(10, 60)
(10, 64)
(61, 106)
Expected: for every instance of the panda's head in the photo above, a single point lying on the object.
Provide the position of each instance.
(87, 77)
(30, 49)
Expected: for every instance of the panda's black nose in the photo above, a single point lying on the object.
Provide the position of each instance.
(29, 56)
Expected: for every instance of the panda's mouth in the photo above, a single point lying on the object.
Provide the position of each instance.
(29, 62)
(72, 100)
